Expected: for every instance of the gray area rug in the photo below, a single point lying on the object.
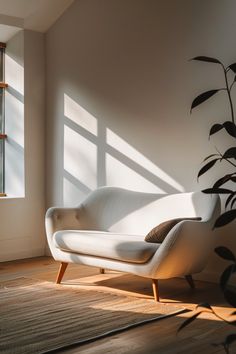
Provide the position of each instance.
(41, 317)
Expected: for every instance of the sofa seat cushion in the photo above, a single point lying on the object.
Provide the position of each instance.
(125, 248)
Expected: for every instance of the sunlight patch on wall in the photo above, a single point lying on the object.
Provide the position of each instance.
(14, 125)
(126, 149)
(14, 74)
(72, 194)
(80, 158)
(14, 171)
(79, 115)
(120, 175)
(94, 155)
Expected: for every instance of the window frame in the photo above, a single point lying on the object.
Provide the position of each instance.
(3, 136)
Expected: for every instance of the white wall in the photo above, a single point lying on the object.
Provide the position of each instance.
(22, 212)
(119, 90)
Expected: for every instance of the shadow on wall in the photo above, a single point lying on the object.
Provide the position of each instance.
(95, 156)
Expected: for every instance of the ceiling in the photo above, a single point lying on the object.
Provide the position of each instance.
(36, 15)
(6, 32)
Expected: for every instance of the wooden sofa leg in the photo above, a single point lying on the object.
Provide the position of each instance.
(190, 281)
(61, 272)
(155, 289)
(102, 270)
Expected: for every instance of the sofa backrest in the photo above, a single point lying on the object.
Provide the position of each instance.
(119, 210)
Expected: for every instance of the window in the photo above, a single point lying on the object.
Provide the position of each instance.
(3, 136)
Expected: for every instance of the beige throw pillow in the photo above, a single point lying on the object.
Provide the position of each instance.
(159, 232)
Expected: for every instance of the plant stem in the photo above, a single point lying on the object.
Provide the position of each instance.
(226, 349)
(230, 162)
(231, 85)
(229, 94)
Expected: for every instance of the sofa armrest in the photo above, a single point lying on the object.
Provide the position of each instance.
(188, 231)
(185, 249)
(61, 219)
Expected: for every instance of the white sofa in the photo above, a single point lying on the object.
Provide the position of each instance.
(108, 228)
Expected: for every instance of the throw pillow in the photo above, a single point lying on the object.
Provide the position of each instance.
(159, 232)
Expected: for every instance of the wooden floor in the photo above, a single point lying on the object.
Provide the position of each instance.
(158, 337)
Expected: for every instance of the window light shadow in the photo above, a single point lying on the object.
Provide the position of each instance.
(14, 171)
(95, 156)
(14, 74)
(13, 92)
(174, 290)
(14, 122)
(79, 115)
(119, 148)
(73, 189)
(80, 158)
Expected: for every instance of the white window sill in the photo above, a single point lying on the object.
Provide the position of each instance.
(9, 196)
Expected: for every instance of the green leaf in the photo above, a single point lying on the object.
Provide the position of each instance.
(225, 218)
(204, 305)
(232, 203)
(230, 127)
(202, 98)
(233, 67)
(230, 339)
(228, 200)
(188, 321)
(215, 128)
(222, 180)
(225, 253)
(215, 190)
(230, 296)
(206, 167)
(225, 276)
(227, 342)
(208, 157)
(207, 59)
(230, 153)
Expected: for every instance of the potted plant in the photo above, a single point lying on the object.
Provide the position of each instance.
(224, 186)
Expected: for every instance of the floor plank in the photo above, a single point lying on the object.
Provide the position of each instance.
(157, 337)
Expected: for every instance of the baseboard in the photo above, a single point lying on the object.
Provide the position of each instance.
(214, 277)
(37, 252)
(211, 277)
